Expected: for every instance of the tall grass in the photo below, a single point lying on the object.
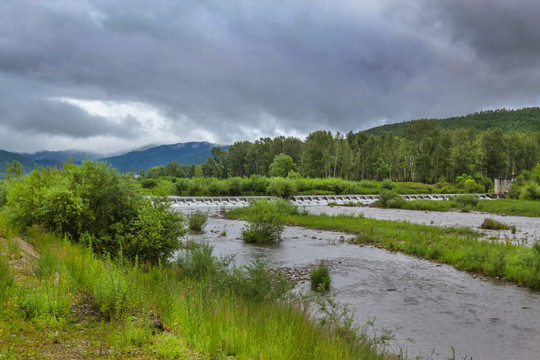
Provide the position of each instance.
(229, 311)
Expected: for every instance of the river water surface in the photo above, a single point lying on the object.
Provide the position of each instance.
(439, 307)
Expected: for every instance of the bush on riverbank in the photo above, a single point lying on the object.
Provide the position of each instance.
(197, 220)
(466, 202)
(94, 204)
(266, 220)
(320, 277)
(492, 224)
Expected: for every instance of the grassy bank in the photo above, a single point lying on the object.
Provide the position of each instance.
(66, 302)
(459, 247)
(499, 206)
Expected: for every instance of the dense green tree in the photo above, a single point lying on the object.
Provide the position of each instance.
(316, 159)
(493, 152)
(464, 152)
(422, 152)
(282, 165)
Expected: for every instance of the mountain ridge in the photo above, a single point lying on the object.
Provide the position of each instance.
(520, 120)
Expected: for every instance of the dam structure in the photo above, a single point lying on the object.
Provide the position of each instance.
(234, 201)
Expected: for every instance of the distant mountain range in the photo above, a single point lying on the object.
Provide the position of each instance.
(184, 153)
(9, 157)
(57, 158)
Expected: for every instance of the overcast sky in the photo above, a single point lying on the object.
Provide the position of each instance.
(114, 75)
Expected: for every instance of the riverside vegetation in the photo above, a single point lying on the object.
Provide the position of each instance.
(94, 278)
(460, 247)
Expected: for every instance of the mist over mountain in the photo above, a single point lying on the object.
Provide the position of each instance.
(184, 153)
(133, 161)
(57, 158)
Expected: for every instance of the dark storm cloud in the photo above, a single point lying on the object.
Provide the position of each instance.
(501, 32)
(234, 67)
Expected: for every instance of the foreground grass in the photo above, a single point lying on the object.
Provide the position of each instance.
(67, 303)
(499, 206)
(459, 247)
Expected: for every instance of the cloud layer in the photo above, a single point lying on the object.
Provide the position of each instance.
(115, 75)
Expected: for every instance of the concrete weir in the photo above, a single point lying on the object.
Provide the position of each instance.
(195, 201)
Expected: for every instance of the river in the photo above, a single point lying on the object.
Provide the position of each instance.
(437, 307)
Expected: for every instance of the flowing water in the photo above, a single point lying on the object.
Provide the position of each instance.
(437, 306)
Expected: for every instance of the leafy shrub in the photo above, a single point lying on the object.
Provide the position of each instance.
(197, 220)
(217, 188)
(535, 173)
(196, 187)
(93, 201)
(388, 184)
(3, 193)
(283, 188)
(387, 196)
(182, 185)
(258, 184)
(154, 234)
(466, 201)
(530, 192)
(514, 192)
(293, 175)
(148, 183)
(367, 184)
(492, 224)
(320, 277)
(336, 185)
(396, 202)
(234, 186)
(472, 187)
(281, 166)
(266, 221)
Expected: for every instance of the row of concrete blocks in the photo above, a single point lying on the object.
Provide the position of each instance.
(302, 199)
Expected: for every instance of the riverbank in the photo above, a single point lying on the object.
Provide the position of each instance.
(459, 247)
(64, 302)
(430, 307)
(498, 206)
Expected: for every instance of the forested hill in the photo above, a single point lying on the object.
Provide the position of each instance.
(9, 157)
(521, 120)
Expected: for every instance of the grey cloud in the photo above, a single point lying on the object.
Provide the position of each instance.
(227, 65)
(505, 33)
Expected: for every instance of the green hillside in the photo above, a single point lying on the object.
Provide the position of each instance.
(521, 120)
(8, 157)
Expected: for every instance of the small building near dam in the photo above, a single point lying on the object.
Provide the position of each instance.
(502, 185)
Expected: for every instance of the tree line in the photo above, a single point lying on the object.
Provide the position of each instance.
(424, 153)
